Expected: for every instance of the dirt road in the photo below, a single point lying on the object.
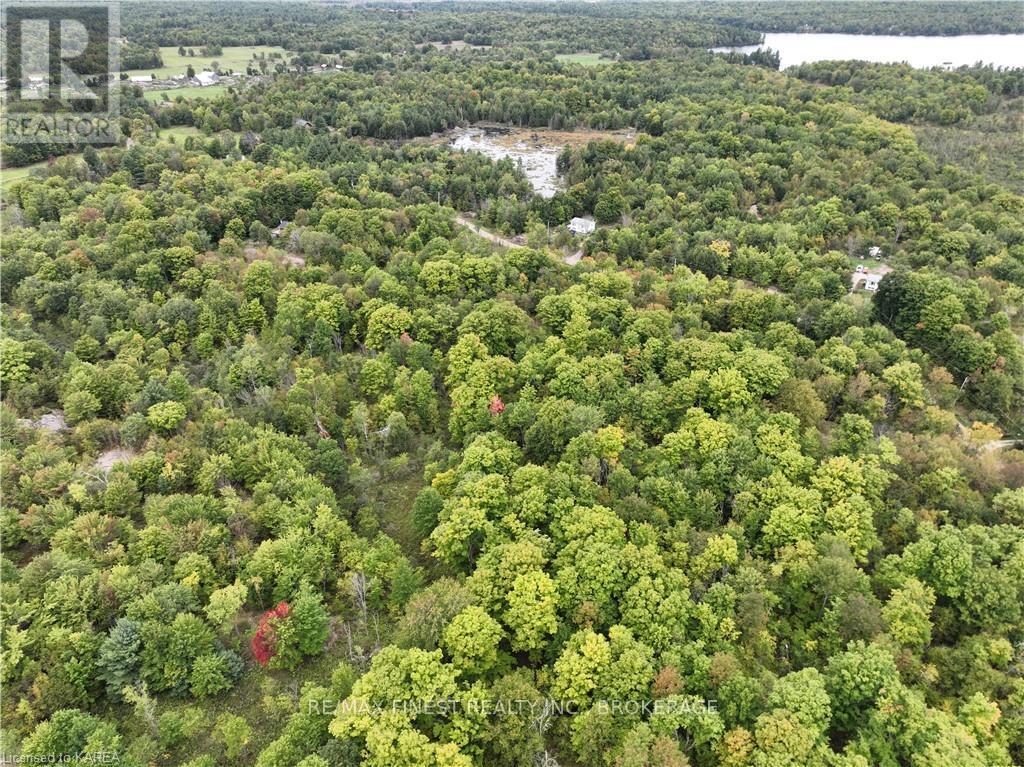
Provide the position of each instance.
(497, 239)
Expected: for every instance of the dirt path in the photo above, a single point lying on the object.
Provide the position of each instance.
(497, 239)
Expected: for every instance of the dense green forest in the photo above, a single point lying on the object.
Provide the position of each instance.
(581, 25)
(300, 471)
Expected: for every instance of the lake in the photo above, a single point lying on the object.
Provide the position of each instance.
(918, 51)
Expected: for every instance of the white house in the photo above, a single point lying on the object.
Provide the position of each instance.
(582, 225)
(874, 251)
(207, 78)
(871, 282)
(141, 78)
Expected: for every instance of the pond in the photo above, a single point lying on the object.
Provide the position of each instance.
(918, 51)
(538, 160)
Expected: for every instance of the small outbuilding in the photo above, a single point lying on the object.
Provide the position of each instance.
(582, 225)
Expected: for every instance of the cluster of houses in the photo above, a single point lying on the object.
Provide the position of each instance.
(205, 78)
(200, 80)
(36, 84)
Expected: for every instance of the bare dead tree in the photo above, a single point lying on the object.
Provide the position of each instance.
(359, 588)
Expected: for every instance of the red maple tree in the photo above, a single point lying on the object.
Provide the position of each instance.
(497, 406)
(264, 641)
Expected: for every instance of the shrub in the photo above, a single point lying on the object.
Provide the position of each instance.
(210, 674)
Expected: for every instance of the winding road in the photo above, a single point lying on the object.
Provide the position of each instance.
(497, 239)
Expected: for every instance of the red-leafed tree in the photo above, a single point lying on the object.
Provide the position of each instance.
(264, 641)
(497, 406)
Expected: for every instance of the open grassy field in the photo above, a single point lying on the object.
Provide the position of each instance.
(586, 59)
(234, 57)
(9, 175)
(190, 92)
(179, 133)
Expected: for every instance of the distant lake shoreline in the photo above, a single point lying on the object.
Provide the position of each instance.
(920, 51)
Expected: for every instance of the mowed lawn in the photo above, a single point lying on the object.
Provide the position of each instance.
(234, 57)
(586, 59)
(188, 92)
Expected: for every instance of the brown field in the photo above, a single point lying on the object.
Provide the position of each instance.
(574, 138)
(543, 137)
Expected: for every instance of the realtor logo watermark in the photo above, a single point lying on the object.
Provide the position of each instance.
(60, 71)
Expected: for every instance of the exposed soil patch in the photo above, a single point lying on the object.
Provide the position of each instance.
(253, 253)
(564, 138)
(108, 459)
(859, 279)
(535, 150)
(51, 422)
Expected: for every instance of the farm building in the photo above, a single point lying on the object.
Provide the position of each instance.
(206, 78)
